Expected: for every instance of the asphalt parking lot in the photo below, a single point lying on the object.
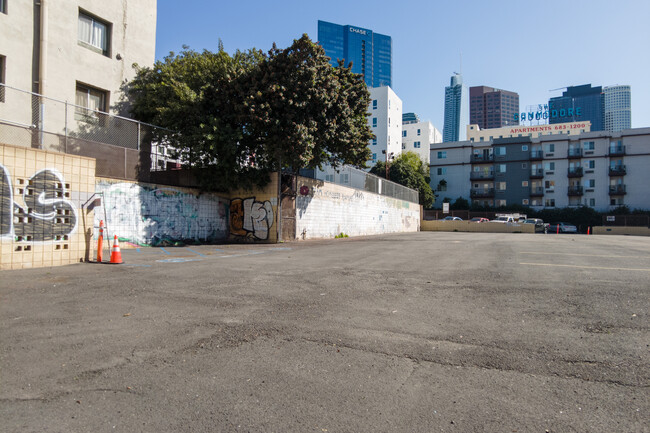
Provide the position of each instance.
(421, 332)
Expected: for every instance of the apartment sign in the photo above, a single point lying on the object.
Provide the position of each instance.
(360, 31)
(544, 113)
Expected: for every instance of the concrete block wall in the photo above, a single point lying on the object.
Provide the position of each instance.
(253, 215)
(324, 210)
(468, 226)
(43, 221)
(142, 214)
(616, 230)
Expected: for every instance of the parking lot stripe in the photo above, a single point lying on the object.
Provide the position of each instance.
(196, 252)
(587, 267)
(581, 255)
(165, 251)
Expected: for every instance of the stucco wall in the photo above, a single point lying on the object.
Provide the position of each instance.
(42, 219)
(467, 226)
(614, 230)
(324, 210)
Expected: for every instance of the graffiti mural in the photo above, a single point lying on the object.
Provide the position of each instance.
(146, 215)
(250, 219)
(48, 215)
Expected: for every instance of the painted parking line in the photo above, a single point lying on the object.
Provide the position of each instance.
(137, 266)
(582, 255)
(586, 267)
(196, 252)
(165, 251)
(178, 260)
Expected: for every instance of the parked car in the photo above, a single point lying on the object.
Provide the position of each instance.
(539, 224)
(504, 220)
(564, 228)
(452, 218)
(479, 220)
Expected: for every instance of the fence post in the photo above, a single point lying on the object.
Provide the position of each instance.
(65, 129)
(138, 136)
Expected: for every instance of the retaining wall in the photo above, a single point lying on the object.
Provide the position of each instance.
(615, 230)
(324, 210)
(468, 226)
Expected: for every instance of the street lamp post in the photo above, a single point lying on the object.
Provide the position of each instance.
(389, 156)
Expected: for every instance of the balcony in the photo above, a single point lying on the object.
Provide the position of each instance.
(575, 153)
(575, 172)
(537, 191)
(617, 170)
(482, 175)
(477, 158)
(537, 173)
(575, 190)
(617, 190)
(482, 193)
(616, 150)
(536, 155)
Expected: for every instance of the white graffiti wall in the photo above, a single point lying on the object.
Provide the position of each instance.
(152, 215)
(325, 210)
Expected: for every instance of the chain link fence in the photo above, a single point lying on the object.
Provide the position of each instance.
(121, 146)
(359, 179)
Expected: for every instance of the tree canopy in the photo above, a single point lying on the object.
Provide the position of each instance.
(237, 118)
(409, 170)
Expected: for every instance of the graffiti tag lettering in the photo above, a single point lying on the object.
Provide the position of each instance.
(250, 218)
(48, 215)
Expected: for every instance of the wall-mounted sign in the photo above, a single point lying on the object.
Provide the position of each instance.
(361, 32)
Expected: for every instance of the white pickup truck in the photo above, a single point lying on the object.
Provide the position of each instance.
(508, 218)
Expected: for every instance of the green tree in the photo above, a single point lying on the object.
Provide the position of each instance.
(235, 119)
(408, 169)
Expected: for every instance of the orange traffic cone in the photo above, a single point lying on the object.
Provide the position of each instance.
(116, 255)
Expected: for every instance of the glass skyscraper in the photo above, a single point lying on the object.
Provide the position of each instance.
(579, 103)
(456, 112)
(370, 53)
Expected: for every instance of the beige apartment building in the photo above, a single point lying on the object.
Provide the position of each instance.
(74, 51)
(475, 133)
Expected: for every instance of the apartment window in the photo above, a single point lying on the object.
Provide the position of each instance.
(588, 145)
(329, 178)
(550, 202)
(418, 132)
(3, 6)
(89, 103)
(524, 183)
(374, 104)
(591, 164)
(592, 202)
(416, 144)
(442, 171)
(501, 186)
(500, 151)
(345, 178)
(549, 166)
(374, 141)
(403, 133)
(549, 184)
(524, 202)
(501, 203)
(524, 165)
(524, 148)
(591, 183)
(374, 157)
(442, 155)
(374, 122)
(550, 148)
(3, 61)
(93, 33)
(501, 168)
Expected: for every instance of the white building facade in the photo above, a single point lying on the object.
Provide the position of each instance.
(618, 108)
(419, 137)
(601, 170)
(386, 123)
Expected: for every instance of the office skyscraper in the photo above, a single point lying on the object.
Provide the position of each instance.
(492, 108)
(455, 127)
(370, 53)
(579, 103)
(618, 108)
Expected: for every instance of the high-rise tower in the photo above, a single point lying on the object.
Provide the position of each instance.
(492, 108)
(579, 103)
(618, 109)
(369, 52)
(455, 127)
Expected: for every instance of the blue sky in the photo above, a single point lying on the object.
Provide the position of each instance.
(526, 46)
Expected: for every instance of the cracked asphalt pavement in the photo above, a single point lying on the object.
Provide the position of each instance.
(420, 332)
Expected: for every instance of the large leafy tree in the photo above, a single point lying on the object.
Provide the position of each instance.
(409, 170)
(235, 119)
